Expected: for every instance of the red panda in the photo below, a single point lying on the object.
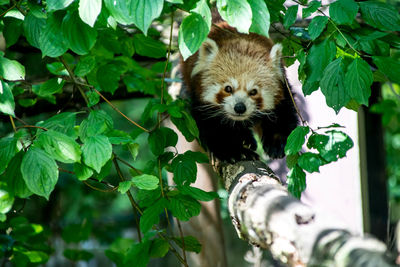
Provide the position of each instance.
(236, 83)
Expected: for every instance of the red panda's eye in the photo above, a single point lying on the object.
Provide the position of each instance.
(253, 92)
(228, 89)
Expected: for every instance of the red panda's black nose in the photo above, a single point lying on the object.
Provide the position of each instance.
(240, 108)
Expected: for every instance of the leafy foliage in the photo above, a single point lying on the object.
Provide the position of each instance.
(87, 51)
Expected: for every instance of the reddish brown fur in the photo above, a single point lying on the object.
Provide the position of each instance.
(228, 39)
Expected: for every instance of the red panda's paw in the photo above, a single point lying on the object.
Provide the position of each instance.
(276, 148)
(233, 156)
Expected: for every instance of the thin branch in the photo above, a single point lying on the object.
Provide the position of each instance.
(99, 189)
(75, 80)
(112, 187)
(133, 203)
(183, 240)
(13, 124)
(117, 110)
(294, 103)
(15, 130)
(286, 35)
(9, 9)
(32, 126)
(127, 164)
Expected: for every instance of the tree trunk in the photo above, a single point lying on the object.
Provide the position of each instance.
(266, 215)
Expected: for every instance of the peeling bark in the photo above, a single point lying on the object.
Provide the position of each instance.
(266, 215)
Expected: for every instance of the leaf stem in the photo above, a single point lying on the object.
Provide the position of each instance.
(117, 110)
(74, 79)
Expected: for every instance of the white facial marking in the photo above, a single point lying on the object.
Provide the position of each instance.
(211, 91)
(250, 85)
(234, 83)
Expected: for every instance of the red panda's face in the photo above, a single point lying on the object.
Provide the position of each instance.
(241, 85)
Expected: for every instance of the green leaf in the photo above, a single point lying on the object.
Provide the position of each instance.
(77, 255)
(237, 13)
(310, 162)
(82, 172)
(53, 5)
(192, 33)
(358, 80)
(96, 151)
(343, 11)
(7, 104)
(203, 9)
(139, 12)
(89, 10)
(50, 87)
(36, 257)
(319, 57)
(144, 12)
(171, 138)
(93, 98)
(74, 233)
(196, 156)
(139, 254)
(13, 177)
(191, 243)
(51, 39)
(134, 150)
(40, 172)
(316, 26)
(296, 181)
(33, 26)
(157, 142)
(380, 15)
(124, 186)
(6, 201)
(108, 77)
(80, 36)
(290, 16)
(184, 207)
(145, 182)
(159, 248)
(11, 70)
(98, 122)
(12, 30)
(85, 66)
(261, 19)
(8, 149)
(296, 140)
(312, 7)
(184, 169)
(336, 147)
(59, 146)
(291, 160)
(190, 124)
(146, 46)
(63, 123)
(151, 215)
(388, 66)
(332, 85)
(317, 141)
(197, 193)
(57, 68)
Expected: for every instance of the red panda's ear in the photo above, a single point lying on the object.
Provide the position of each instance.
(207, 52)
(208, 49)
(276, 58)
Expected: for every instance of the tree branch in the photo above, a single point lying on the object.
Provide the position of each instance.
(265, 215)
